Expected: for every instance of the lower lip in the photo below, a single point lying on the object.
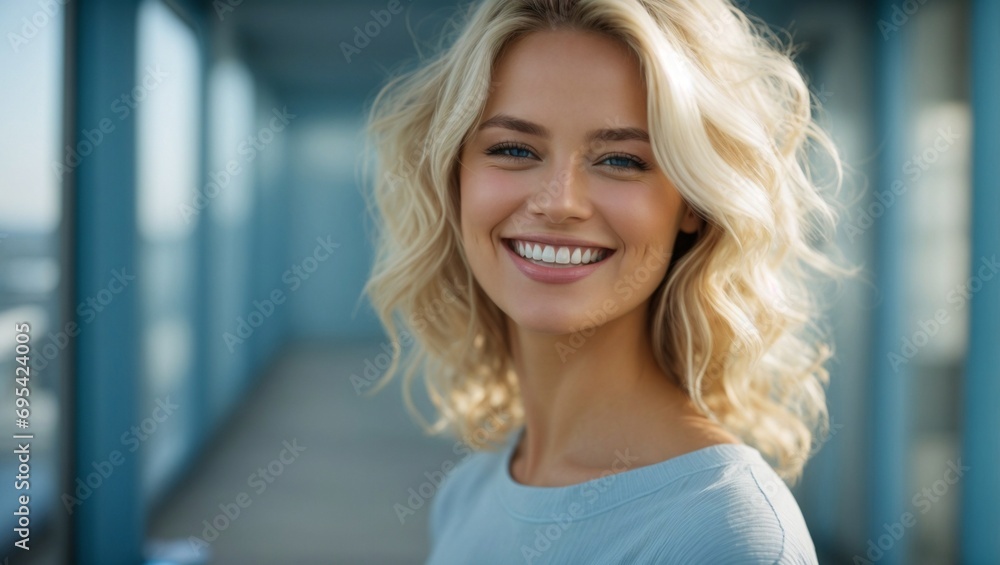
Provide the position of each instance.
(552, 275)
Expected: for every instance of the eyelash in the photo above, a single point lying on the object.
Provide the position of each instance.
(639, 164)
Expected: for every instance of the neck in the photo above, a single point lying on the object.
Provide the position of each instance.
(586, 397)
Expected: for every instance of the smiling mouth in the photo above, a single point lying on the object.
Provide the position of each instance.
(557, 255)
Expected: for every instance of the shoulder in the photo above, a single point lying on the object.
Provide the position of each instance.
(739, 511)
(463, 484)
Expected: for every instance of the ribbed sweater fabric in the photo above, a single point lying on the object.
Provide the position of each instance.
(718, 505)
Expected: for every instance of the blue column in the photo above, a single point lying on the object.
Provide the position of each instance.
(888, 475)
(201, 425)
(108, 524)
(980, 521)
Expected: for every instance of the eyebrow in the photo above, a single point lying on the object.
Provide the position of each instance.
(506, 121)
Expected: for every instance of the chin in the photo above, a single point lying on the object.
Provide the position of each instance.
(552, 318)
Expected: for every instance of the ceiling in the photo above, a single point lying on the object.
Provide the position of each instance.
(298, 47)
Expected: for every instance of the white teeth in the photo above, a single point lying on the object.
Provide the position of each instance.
(558, 255)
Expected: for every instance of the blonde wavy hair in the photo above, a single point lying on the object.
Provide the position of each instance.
(731, 124)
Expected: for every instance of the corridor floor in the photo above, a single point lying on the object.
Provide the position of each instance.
(320, 470)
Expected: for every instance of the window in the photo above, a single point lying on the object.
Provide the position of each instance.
(31, 274)
(167, 100)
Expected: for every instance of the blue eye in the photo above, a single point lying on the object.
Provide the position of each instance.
(618, 161)
(625, 162)
(511, 150)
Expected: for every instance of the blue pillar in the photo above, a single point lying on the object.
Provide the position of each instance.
(888, 476)
(108, 524)
(201, 424)
(980, 521)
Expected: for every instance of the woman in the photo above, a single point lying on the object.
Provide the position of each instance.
(598, 229)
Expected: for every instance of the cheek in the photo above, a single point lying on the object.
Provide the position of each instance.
(488, 196)
(642, 216)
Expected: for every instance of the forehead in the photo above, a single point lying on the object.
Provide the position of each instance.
(561, 73)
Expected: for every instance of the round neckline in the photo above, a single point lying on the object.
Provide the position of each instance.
(541, 503)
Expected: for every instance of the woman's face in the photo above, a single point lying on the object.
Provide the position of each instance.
(560, 169)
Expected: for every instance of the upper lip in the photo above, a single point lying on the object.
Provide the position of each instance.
(556, 240)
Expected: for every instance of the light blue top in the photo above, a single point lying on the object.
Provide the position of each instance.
(717, 505)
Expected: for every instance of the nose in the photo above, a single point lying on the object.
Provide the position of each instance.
(565, 196)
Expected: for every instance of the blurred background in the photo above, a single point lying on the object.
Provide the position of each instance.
(182, 228)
